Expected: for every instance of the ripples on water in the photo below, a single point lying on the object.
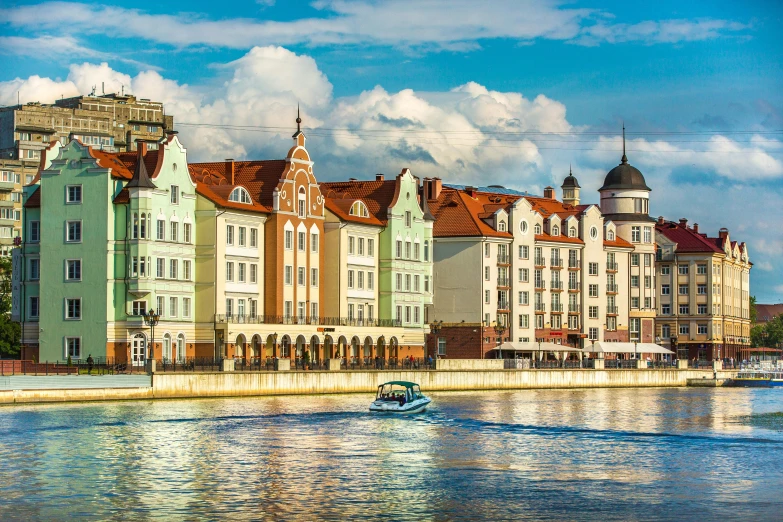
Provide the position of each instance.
(631, 454)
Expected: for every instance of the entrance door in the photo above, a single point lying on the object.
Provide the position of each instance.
(138, 350)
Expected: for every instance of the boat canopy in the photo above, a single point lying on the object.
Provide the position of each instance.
(405, 384)
(605, 347)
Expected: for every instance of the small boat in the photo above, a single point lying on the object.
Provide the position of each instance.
(758, 378)
(400, 397)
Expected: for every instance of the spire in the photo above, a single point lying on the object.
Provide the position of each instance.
(624, 159)
(569, 170)
(298, 123)
(140, 179)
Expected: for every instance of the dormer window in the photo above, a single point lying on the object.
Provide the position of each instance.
(502, 226)
(537, 229)
(359, 209)
(572, 232)
(610, 235)
(555, 230)
(240, 195)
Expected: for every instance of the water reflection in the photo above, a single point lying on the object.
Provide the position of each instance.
(527, 455)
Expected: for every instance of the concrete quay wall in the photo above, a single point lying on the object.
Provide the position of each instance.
(239, 384)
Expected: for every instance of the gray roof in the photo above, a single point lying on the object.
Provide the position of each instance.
(140, 179)
(625, 176)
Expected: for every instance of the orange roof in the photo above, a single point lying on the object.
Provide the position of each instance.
(259, 178)
(559, 239)
(342, 209)
(376, 194)
(457, 214)
(546, 207)
(618, 243)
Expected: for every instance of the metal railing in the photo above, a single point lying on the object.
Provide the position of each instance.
(556, 263)
(574, 286)
(503, 305)
(504, 259)
(611, 310)
(294, 320)
(611, 266)
(611, 289)
(573, 263)
(573, 308)
(556, 285)
(540, 285)
(625, 364)
(557, 307)
(540, 307)
(503, 281)
(539, 261)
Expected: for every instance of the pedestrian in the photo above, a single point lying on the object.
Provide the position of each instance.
(90, 362)
(306, 361)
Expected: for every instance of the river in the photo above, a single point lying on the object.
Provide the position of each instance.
(599, 454)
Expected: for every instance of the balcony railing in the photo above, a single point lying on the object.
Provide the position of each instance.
(611, 310)
(556, 263)
(541, 307)
(318, 321)
(557, 308)
(573, 287)
(573, 308)
(611, 267)
(503, 305)
(503, 281)
(556, 285)
(539, 261)
(573, 264)
(504, 259)
(540, 285)
(611, 289)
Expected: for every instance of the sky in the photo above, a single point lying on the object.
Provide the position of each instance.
(497, 92)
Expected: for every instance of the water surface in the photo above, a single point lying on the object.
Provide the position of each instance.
(625, 454)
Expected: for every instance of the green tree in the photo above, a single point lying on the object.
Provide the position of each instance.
(769, 334)
(753, 309)
(10, 332)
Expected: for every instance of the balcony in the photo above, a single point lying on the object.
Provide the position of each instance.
(503, 282)
(7, 203)
(539, 262)
(573, 308)
(556, 263)
(540, 285)
(573, 264)
(557, 308)
(611, 267)
(504, 259)
(503, 306)
(6, 185)
(611, 289)
(540, 308)
(573, 287)
(295, 319)
(557, 286)
(611, 310)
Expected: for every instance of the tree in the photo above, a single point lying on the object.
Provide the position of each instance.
(769, 334)
(10, 332)
(753, 309)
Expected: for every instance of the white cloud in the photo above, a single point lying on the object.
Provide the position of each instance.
(45, 45)
(425, 24)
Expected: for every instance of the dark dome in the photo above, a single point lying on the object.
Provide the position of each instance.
(624, 176)
(570, 182)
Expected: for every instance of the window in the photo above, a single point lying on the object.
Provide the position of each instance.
(161, 236)
(634, 259)
(254, 238)
(253, 273)
(647, 259)
(407, 314)
(683, 290)
(73, 309)
(408, 218)
(666, 331)
(174, 231)
(240, 195)
(288, 308)
(407, 250)
(161, 268)
(486, 273)
(229, 271)
(524, 321)
(702, 309)
(359, 209)
(636, 233)
(35, 269)
(702, 329)
(229, 308)
(35, 231)
(302, 203)
(186, 307)
(648, 234)
(684, 310)
(351, 243)
(301, 276)
(186, 275)
(229, 235)
(314, 310)
(666, 269)
(351, 278)
(701, 289)
(416, 251)
(426, 283)
(416, 279)
(648, 281)
(524, 251)
(398, 282)
(399, 249)
(370, 281)
(289, 239)
(314, 276)
(441, 346)
(416, 315)
(73, 231)
(593, 312)
(502, 226)
(407, 282)
(593, 291)
(186, 234)
(34, 306)
(634, 281)
(73, 269)
(524, 298)
(665, 290)
(701, 269)
(172, 307)
(398, 314)
(360, 244)
(289, 275)
(302, 241)
(371, 247)
(666, 309)
(684, 329)
(486, 296)
(241, 274)
(634, 302)
(647, 303)
(524, 275)
(592, 334)
(73, 194)
(242, 236)
(426, 250)
(172, 268)
(73, 347)
(174, 195)
(682, 269)
(592, 269)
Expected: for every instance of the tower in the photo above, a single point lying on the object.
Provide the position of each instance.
(570, 188)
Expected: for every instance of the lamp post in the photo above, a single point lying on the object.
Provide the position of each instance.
(635, 356)
(274, 345)
(499, 329)
(435, 327)
(151, 319)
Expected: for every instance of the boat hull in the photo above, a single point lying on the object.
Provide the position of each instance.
(416, 406)
(757, 383)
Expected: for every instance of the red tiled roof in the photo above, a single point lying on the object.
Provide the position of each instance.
(618, 243)
(765, 312)
(122, 197)
(129, 159)
(559, 239)
(34, 201)
(377, 195)
(259, 178)
(546, 207)
(688, 241)
(457, 214)
(342, 208)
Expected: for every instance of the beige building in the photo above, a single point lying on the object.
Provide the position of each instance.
(704, 298)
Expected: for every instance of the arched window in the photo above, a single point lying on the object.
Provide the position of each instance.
(426, 251)
(537, 229)
(181, 347)
(240, 195)
(135, 234)
(359, 209)
(555, 230)
(302, 203)
(166, 347)
(502, 226)
(143, 227)
(572, 232)
(610, 236)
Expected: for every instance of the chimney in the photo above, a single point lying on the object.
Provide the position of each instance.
(437, 186)
(230, 169)
(549, 193)
(379, 177)
(696, 227)
(141, 147)
(683, 223)
(723, 233)
(471, 190)
(660, 220)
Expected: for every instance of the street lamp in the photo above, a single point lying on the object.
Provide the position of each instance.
(151, 319)
(274, 345)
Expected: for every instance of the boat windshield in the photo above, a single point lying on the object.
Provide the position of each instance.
(398, 392)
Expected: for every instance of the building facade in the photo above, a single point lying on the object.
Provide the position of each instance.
(704, 293)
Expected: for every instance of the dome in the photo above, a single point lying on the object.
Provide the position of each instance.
(624, 176)
(570, 181)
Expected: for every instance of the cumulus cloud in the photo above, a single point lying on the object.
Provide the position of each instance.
(425, 24)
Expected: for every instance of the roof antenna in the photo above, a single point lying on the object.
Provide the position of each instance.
(624, 158)
(298, 119)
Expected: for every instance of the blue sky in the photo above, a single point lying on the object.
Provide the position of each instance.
(453, 88)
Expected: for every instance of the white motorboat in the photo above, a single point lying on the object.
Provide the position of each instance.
(400, 397)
